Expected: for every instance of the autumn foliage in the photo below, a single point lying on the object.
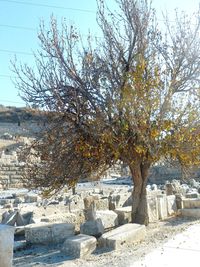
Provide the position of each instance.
(133, 97)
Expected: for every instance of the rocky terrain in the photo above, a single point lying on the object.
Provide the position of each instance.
(157, 234)
(27, 207)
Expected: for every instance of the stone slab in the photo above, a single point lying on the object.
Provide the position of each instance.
(194, 213)
(119, 200)
(6, 245)
(47, 233)
(171, 205)
(102, 204)
(79, 246)
(108, 217)
(124, 214)
(192, 195)
(152, 206)
(190, 203)
(94, 228)
(162, 206)
(130, 233)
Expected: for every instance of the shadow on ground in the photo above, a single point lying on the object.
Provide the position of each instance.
(40, 256)
(175, 221)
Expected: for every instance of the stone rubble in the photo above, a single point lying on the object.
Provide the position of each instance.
(89, 217)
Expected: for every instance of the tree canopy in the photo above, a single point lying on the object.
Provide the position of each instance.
(133, 97)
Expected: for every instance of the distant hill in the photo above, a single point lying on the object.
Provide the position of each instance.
(18, 115)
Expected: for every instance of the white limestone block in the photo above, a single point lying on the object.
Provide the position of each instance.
(124, 214)
(130, 233)
(152, 206)
(102, 204)
(6, 245)
(94, 228)
(79, 246)
(194, 213)
(191, 203)
(171, 205)
(162, 206)
(108, 217)
(44, 233)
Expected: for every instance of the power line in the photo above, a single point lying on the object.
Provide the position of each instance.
(49, 6)
(34, 29)
(17, 27)
(16, 52)
(7, 76)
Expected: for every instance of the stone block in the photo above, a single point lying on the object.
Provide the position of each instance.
(19, 230)
(124, 214)
(179, 201)
(4, 201)
(31, 198)
(94, 228)
(74, 202)
(169, 189)
(6, 245)
(192, 195)
(108, 217)
(18, 200)
(171, 205)
(119, 200)
(79, 218)
(44, 233)
(130, 233)
(13, 218)
(102, 204)
(90, 207)
(162, 206)
(152, 206)
(61, 231)
(79, 246)
(10, 218)
(194, 213)
(191, 203)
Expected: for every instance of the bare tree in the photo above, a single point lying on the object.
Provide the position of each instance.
(133, 97)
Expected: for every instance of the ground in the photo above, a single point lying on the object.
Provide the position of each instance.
(157, 234)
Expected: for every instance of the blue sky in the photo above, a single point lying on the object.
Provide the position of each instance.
(19, 21)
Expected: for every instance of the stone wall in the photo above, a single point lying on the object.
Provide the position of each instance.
(161, 174)
(10, 171)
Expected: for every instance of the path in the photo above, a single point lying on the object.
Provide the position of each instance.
(182, 250)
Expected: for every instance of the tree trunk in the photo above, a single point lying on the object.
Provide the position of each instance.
(139, 173)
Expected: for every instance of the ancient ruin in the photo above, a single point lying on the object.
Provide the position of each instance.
(96, 216)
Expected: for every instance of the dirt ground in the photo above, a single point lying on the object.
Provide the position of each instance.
(157, 234)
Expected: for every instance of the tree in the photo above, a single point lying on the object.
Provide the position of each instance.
(133, 97)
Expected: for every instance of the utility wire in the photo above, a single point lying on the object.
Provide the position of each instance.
(17, 27)
(7, 76)
(34, 29)
(49, 6)
(16, 52)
